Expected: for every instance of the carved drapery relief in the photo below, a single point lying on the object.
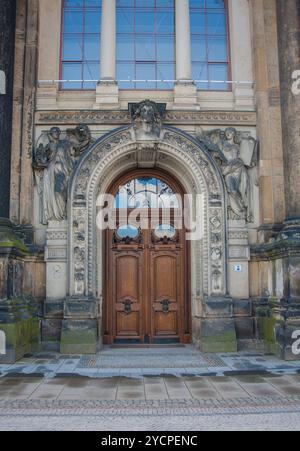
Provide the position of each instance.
(237, 156)
(54, 161)
(86, 185)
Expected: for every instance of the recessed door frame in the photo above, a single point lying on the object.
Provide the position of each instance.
(184, 316)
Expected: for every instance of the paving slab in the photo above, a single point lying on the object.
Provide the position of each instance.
(177, 361)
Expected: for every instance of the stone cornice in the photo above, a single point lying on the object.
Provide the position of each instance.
(276, 250)
(90, 117)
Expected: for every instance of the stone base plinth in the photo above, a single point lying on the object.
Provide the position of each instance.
(218, 332)
(107, 96)
(218, 335)
(20, 325)
(79, 337)
(185, 96)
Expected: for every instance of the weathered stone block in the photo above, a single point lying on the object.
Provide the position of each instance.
(54, 309)
(218, 335)
(242, 307)
(218, 307)
(51, 330)
(75, 308)
(22, 338)
(244, 328)
(79, 337)
(20, 323)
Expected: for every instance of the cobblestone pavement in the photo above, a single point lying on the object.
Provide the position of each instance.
(260, 416)
(246, 402)
(154, 390)
(178, 361)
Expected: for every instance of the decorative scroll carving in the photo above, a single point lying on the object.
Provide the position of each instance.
(237, 156)
(165, 239)
(54, 161)
(98, 154)
(217, 250)
(127, 239)
(188, 146)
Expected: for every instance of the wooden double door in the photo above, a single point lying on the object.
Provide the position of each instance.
(147, 293)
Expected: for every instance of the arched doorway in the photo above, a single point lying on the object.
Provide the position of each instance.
(146, 261)
(179, 154)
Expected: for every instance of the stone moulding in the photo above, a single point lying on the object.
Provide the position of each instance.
(123, 117)
(287, 244)
(276, 250)
(86, 185)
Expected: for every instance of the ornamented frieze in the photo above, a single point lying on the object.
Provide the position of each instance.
(123, 117)
(238, 235)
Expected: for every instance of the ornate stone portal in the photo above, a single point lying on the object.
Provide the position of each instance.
(84, 169)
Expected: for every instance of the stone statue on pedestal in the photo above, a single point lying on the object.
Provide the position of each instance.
(237, 155)
(54, 161)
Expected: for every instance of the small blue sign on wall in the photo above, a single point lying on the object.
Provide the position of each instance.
(238, 268)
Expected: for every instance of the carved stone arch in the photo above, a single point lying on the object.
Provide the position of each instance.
(180, 155)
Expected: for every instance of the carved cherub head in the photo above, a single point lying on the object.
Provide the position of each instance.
(83, 132)
(231, 135)
(55, 133)
(148, 113)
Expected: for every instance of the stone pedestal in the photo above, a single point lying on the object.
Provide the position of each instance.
(218, 332)
(56, 284)
(239, 257)
(107, 96)
(19, 320)
(185, 96)
(80, 328)
(277, 311)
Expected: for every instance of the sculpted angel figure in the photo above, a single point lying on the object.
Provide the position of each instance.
(236, 157)
(57, 157)
(56, 177)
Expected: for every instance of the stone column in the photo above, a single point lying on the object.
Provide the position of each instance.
(108, 40)
(183, 41)
(16, 316)
(288, 13)
(185, 91)
(107, 88)
(278, 315)
(7, 47)
(241, 55)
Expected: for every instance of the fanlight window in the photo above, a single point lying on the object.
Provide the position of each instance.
(147, 193)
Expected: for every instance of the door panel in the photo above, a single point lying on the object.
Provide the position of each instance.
(127, 294)
(147, 285)
(165, 294)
